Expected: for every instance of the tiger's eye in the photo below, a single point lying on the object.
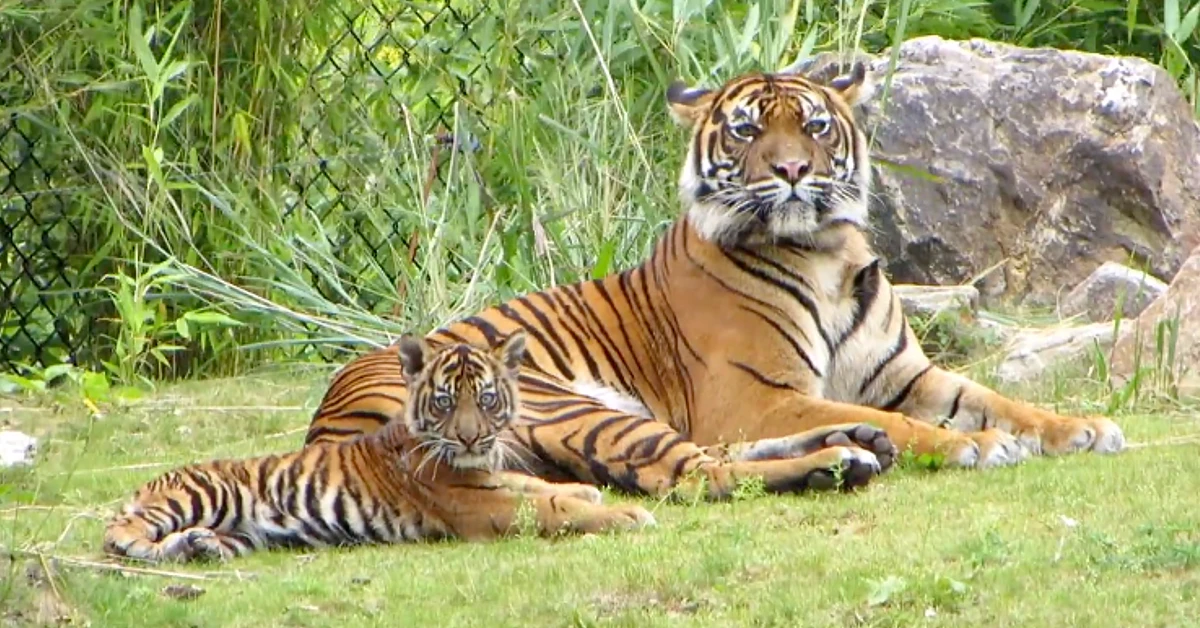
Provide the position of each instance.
(487, 399)
(816, 126)
(442, 401)
(745, 130)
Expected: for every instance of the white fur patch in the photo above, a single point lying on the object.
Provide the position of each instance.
(613, 399)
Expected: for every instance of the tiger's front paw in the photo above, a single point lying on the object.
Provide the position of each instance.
(985, 450)
(998, 448)
(585, 492)
(636, 516)
(861, 435)
(616, 518)
(1068, 435)
(845, 468)
(868, 438)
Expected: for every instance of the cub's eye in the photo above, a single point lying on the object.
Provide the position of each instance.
(487, 399)
(745, 130)
(816, 126)
(442, 401)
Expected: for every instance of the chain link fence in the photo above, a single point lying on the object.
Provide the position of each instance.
(372, 75)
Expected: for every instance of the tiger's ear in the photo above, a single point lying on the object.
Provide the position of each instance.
(512, 350)
(688, 105)
(825, 68)
(853, 86)
(413, 353)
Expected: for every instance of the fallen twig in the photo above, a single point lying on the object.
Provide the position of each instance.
(182, 408)
(1186, 439)
(128, 467)
(141, 571)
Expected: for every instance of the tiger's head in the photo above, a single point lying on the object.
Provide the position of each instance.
(461, 397)
(774, 157)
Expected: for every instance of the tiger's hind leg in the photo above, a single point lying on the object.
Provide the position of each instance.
(185, 514)
(861, 435)
(199, 544)
(137, 536)
(206, 544)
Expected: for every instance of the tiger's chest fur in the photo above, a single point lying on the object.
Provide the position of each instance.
(816, 320)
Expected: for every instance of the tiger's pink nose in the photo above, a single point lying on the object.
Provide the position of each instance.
(791, 170)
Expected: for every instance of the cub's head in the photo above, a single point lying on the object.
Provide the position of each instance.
(774, 157)
(461, 397)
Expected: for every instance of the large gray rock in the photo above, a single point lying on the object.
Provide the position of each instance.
(1032, 354)
(1138, 345)
(962, 301)
(1048, 162)
(1096, 298)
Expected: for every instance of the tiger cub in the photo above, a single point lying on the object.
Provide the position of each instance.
(433, 475)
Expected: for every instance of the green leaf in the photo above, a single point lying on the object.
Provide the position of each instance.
(882, 591)
(211, 318)
(56, 370)
(11, 383)
(138, 39)
(241, 131)
(95, 385)
(1171, 17)
(177, 109)
(604, 259)
(749, 31)
(153, 157)
(1187, 26)
(181, 328)
(1027, 11)
(1131, 21)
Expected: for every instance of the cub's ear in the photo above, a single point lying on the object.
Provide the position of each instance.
(511, 351)
(688, 105)
(414, 352)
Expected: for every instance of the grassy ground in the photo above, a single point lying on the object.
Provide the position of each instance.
(1086, 540)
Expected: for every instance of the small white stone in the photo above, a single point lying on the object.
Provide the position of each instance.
(16, 449)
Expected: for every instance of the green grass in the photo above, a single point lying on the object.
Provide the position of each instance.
(968, 548)
(573, 178)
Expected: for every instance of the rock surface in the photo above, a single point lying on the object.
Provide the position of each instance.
(1182, 300)
(931, 300)
(1097, 296)
(1032, 354)
(1047, 162)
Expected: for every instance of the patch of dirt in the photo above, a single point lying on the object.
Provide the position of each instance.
(612, 604)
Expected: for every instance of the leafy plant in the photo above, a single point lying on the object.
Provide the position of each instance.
(332, 173)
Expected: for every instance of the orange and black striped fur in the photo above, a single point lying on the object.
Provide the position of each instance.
(432, 474)
(761, 332)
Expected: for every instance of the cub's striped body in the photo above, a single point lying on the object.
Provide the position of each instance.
(430, 475)
(759, 336)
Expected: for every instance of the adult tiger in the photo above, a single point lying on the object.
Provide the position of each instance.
(433, 474)
(761, 313)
